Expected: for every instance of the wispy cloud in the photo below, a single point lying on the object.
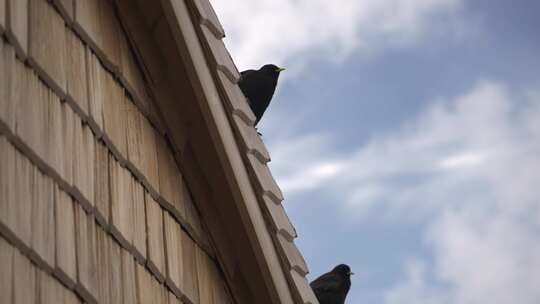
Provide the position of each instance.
(279, 30)
(468, 169)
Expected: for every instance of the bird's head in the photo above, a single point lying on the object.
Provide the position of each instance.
(343, 270)
(271, 69)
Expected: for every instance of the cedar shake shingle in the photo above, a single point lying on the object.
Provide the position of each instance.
(149, 154)
(115, 274)
(68, 137)
(17, 25)
(47, 49)
(189, 255)
(173, 252)
(103, 243)
(109, 27)
(2, 16)
(263, 177)
(204, 276)
(139, 221)
(145, 289)
(55, 151)
(43, 225)
(24, 280)
(85, 228)
(8, 86)
(50, 291)
(121, 203)
(129, 291)
(8, 189)
(115, 115)
(66, 255)
(86, 21)
(6, 275)
(154, 227)
(165, 169)
(101, 178)
(96, 77)
(20, 210)
(77, 83)
(134, 136)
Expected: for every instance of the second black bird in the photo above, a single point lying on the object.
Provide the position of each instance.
(332, 287)
(258, 86)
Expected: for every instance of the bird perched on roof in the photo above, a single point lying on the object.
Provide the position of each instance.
(258, 86)
(332, 287)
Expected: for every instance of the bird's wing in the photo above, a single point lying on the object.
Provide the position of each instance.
(246, 72)
(326, 283)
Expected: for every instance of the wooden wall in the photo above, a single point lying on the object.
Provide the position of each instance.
(93, 205)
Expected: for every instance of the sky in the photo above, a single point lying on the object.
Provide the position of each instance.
(405, 135)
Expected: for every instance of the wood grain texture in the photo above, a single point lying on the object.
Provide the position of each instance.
(103, 243)
(115, 274)
(8, 188)
(68, 129)
(6, 264)
(86, 255)
(47, 45)
(7, 82)
(66, 255)
(101, 178)
(190, 274)
(115, 115)
(139, 221)
(43, 225)
(17, 25)
(55, 144)
(129, 289)
(96, 93)
(121, 203)
(156, 254)
(77, 82)
(173, 253)
(24, 275)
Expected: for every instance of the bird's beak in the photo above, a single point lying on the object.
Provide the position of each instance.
(280, 70)
(351, 273)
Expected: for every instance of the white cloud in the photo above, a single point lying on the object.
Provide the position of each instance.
(469, 170)
(280, 30)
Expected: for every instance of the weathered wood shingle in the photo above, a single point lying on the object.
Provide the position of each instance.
(66, 256)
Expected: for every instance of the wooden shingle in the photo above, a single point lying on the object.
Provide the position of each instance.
(24, 276)
(43, 225)
(129, 291)
(250, 140)
(291, 255)
(32, 113)
(87, 20)
(134, 136)
(66, 255)
(50, 291)
(55, 144)
(220, 58)
(83, 164)
(154, 226)
(145, 290)
(2, 16)
(278, 218)
(121, 203)
(189, 255)
(204, 276)
(303, 292)
(173, 253)
(90, 158)
(6, 264)
(8, 83)
(235, 99)
(8, 187)
(115, 274)
(173, 299)
(109, 27)
(165, 169)
(68, 142)
(47, 45)
(101, 178)
(139, 220)
(209, 18)
(85, 228)
(115, 116)
(264, 179)
(77, 83)
(70, 297)
(103, 243)
(149, 154)
(96, 76)
(20, 211)
(17, 25)
(129, 72)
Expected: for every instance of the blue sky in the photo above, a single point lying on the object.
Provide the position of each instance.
(405, 135)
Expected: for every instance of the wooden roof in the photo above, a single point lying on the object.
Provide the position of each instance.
(187, 93)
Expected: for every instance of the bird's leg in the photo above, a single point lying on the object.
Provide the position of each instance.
(258, 132)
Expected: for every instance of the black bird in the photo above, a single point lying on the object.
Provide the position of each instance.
(258, 86)
(332, 287)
